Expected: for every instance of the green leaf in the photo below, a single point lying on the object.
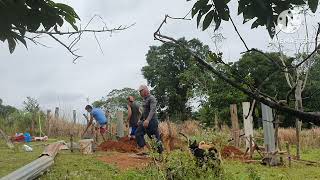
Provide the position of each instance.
(217, 20)
(199, 18)
(255, 24)
(207, 20)
(59, 21)
(69, 10)
(298, 2)
(11, 44)
(196, 7)
(21, 39)
(313, 4)
(71, 20)
(225, 14)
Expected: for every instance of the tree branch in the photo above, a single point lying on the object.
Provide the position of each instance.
(236, 29)
(317, 47)
(308, 117)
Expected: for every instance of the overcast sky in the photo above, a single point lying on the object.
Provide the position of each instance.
(49, 75)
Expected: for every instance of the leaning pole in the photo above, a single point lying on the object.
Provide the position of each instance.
(37, 167)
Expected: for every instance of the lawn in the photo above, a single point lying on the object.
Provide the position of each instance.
(76, 166)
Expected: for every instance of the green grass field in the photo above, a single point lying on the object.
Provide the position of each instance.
(76, 166)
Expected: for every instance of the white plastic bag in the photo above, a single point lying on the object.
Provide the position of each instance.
(27, 148)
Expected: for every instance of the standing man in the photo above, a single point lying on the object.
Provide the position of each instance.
(148, 123)
(134, 115)
(100, 118)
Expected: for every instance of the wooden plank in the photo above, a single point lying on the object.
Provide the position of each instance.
(120, 125)
(298, 131)
(289, 156)
(268, 128)
(247, 122)
(235, 124)
(48, 122)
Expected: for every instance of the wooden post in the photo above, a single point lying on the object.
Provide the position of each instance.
(276, 131)
(216, 121)
(268, 154)
(56, 113)
(280, 149)
(49, 122)
(298, 130)
(268, 129)
(247, 123)
(289, 156)
(71, 143)
(235, 124)
(120, 126)
(40, 124)
(251, 148)
(74, 116)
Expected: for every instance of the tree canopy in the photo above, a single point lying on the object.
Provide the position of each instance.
(21, 16)
(171, 72)
(262, 12)
(116, 100)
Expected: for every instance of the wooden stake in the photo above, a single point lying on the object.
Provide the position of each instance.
(56, 113)
(40, 125)
(235, 124)
(251, 148)
(298, 130)
(48, 123)
(289, 156)
(71, 143)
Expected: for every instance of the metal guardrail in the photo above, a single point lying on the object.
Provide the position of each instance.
(37, 167)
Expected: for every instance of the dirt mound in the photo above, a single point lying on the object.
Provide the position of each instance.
(122, 145)
(125, 161)
(231, 151)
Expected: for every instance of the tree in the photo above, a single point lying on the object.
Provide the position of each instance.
(21, 19)
(6, 110)
(265, 14)
(171, 73)
(32, 106)
(117, 100)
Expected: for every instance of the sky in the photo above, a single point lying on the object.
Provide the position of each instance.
(49, 75)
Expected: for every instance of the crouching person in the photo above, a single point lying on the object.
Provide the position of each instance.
(148, 123)
(100, 117)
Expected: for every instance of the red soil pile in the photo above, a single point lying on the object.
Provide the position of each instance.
(124, 144)
(231, 151)
(125, 161)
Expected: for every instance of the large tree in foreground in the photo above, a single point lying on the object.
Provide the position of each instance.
(265, 13)
(22, 20)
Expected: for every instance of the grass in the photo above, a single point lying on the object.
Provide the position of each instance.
(239, 170)
(76, 166)
(12, 159)
(67, 165)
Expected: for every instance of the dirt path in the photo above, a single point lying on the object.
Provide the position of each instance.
(125, 161)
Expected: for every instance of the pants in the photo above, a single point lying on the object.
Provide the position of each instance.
(151, 130)
(133, 131)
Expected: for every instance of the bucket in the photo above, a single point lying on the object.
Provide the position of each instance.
(86, 146)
